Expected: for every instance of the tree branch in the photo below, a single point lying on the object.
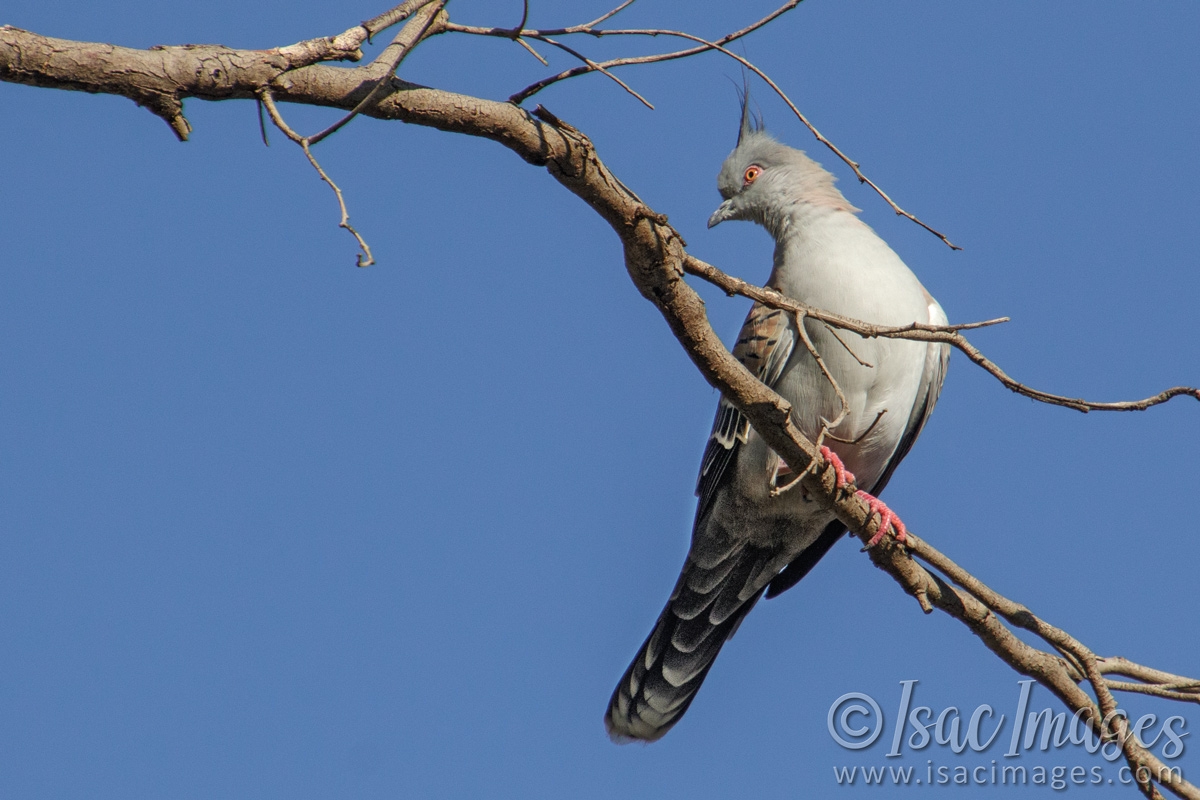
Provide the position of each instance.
(705, 45)
(923, 332)
(364, 259)
(657, 262)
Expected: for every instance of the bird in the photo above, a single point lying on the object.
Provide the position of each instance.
(753, 534)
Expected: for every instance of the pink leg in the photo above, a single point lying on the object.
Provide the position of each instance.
(887, 517)
(844, 476)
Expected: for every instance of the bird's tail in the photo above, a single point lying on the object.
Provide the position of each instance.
(713, 595)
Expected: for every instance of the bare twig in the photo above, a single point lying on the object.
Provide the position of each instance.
(858, 173)
(1165, 692)
(598, 67)
(346, 45)
(516, 32)
(408, 38)
(719, 46)
(987, 323)
(862, 435)
(364, 259)
(1167, 685)
(422, 25)
(827, 425)
(387, 19)
(609, 15)
(833, 332)
(589, 29)
(1116, 665)
(812, 351)
(262, 122)
(533, 52)
(922, 332)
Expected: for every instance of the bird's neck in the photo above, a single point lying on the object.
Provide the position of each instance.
(808, 237)
(814, 206)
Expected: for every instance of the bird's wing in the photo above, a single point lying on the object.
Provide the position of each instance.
(724, 574)
(764, 346)
(937, 359)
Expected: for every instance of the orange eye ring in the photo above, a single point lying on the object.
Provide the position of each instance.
(751, 174)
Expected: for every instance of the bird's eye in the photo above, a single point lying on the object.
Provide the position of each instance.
(751, 174)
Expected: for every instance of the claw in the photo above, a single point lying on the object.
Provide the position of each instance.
(844, 477)
(887, 518)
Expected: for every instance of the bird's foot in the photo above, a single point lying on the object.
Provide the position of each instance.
(844, 477)
(887, 517)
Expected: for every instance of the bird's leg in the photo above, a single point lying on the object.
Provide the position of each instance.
(887, 517)
(844, 477)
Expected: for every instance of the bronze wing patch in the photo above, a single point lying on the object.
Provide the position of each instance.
(764, 346)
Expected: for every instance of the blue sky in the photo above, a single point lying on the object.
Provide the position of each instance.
(274, 526)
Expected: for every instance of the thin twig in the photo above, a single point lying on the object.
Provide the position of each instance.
(1151, 689)
(404, 44)
(861, 436)
(387, 19)
(363, 259)
(812, 350)
(521, 41)
(717, 45)
(833, 332)
(589, 29)
(827, 426)
(862, 178)
(987, 323)
(1092, 666)
(598, 67)
(587, 26)
(924, 332)
(1117, 665)
(262, 122)
(516, 32)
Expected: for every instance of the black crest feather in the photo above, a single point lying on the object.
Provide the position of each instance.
(751, 120)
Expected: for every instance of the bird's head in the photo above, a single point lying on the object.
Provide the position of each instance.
(763, 181)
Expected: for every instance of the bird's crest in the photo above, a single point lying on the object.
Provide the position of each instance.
(751, 121)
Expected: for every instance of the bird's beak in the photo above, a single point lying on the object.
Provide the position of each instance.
(723, 212)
